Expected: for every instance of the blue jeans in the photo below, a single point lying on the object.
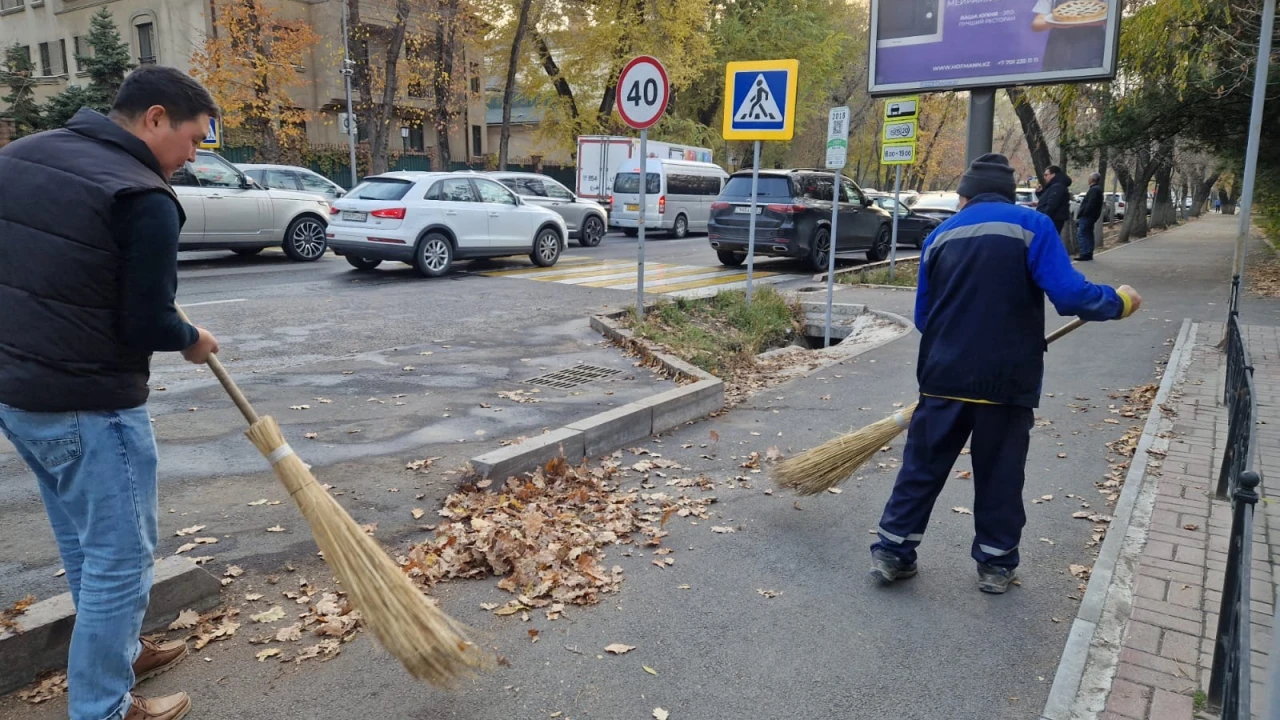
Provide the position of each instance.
(1085, 234)
(999, 437)
(97, 476)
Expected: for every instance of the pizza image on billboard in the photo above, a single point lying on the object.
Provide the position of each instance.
(1080, 12)
(940, 45)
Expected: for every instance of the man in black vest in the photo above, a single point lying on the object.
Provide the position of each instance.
(88, 271)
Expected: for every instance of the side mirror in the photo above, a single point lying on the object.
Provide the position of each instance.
(248, 183)
(866, 201)
(341, 194)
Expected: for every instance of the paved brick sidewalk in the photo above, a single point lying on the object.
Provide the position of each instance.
(1167, 648)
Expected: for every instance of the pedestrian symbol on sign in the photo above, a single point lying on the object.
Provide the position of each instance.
(758, 105)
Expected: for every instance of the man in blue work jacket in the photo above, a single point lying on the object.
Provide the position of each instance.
(984, 274)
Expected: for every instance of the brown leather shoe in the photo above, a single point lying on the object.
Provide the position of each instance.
(169, 707)
(155, 659)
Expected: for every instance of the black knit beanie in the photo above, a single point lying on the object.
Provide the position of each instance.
(990, 173)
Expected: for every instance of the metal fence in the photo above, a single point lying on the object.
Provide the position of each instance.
(1229, 681)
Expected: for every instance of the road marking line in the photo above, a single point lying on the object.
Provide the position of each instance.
(213, 302)
(719, 282)
(711, 275)
(539, 271)
(651, 277)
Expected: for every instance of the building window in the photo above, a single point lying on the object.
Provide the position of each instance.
(475, 78)
(83, 51)
(53, 58)
(10, 4)
(416, 142)
(146, 43)
(475, 140)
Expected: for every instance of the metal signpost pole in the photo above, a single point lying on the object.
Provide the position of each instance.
(982, 123)
(1245, 207)
(837, 159)
(897, 203)
(644, 182)
(831, 253)
(346, 76)
(751, 226)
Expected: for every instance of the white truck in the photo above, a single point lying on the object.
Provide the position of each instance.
(600, 157)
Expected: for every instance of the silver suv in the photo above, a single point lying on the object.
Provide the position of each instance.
(586, 219)
(227, 211)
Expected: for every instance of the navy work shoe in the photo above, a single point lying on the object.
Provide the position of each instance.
(995, 580)
(887, 567)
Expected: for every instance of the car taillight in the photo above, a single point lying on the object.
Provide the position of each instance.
(662, 204)
(389, 213)
(333, 210)
(719, 205)
(784, 209)
(610, 202)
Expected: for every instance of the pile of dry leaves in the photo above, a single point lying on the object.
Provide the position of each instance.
(546, 534)
(8, 617)
(1264, 273)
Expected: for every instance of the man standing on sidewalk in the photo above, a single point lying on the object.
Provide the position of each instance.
(88, 271)
(1055, 199)
(984, 274)
(1090, 211)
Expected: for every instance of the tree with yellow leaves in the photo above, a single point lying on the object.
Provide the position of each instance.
(249, 63)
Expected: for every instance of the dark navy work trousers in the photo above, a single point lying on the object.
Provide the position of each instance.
(938, 432)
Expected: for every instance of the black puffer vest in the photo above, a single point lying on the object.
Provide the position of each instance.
(60, 267)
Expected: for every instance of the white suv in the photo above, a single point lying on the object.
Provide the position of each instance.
(429, 219)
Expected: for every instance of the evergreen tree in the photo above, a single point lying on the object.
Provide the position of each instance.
(18, 74)
(108, 62)
(64, 105)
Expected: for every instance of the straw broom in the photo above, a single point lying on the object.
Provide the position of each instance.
(831, 463)
(429, 643)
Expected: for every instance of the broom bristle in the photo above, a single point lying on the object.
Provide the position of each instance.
(430, 644)
(831, 463)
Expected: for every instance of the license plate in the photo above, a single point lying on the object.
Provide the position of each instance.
(633, 208)
(352, 216)
(747, 210)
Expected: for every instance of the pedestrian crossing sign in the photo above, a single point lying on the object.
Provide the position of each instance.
(760, 100)
(213, 138)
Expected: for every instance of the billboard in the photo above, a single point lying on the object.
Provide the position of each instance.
(956, 44)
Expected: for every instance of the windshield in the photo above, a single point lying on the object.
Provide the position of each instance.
(770, 186)
(380, 189)
(1026, 196)
(629, 183)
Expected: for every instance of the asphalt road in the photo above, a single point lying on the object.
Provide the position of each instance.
(829, 646)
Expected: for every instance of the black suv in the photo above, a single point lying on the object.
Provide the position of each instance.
(793, 218)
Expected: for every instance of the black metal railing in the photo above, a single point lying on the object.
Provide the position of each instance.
(1230, 679)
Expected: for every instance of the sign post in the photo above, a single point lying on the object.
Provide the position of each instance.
(759, 104)
(900, 117)
(642, 96)
(837, 158)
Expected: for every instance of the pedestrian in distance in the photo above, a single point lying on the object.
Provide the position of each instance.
(1090, 211)
(984, 275)
(1055, 199)
(88, 292)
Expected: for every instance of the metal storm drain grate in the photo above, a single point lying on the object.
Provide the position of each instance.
(572, 377)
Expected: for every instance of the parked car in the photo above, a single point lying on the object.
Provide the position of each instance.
(938, 205)
(586, 219)
(288, 177)
(1026, 197)
(228, 211)
(431, 219)
(793, 218)
(678, 196)
(1117, 200)
(913, 227)
(1107, 209)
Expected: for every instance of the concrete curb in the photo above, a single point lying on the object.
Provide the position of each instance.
(822, 277)
(44, 630)
(698, 395)
(1092, 650)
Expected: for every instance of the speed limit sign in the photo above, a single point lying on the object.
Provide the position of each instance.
(643, 92)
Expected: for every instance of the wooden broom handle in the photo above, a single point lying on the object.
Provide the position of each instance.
(224, 377)
(1057, 334)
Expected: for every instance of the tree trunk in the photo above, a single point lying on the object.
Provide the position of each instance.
(444, 81)
(1030, 129)
(380, 132)
(1200, 191)
(921, 174)
(1162, 212)
(553, 71)
(509, 89)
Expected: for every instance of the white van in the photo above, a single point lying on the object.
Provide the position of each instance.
(678, 196)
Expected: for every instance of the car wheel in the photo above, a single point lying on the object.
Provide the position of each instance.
(680, 228)
(434, 255)
(819, 246)
(247, 252)
(360, 263)
(546, 248)
(728, 258)
(304, 241)
(592, 231)
(879, 249)
(631, 232)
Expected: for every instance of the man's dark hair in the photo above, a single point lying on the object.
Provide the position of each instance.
(1054, 169)
(181, 95)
